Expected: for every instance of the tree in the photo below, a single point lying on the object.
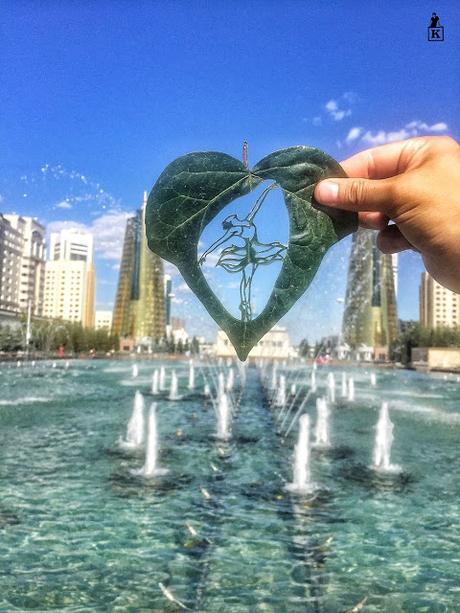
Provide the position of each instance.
(304, 348)
(195, 346)
(416, 335)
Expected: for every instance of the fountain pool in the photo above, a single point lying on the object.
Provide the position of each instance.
(79, 532)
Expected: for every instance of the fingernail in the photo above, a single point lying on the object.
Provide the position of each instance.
(327, 192)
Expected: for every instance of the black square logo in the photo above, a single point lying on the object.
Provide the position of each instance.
(436, 34)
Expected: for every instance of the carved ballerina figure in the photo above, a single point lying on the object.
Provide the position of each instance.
(245, 253)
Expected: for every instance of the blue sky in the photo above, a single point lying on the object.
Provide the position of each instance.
(96, 98)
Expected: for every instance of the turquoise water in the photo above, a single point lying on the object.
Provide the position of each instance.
(78, 532)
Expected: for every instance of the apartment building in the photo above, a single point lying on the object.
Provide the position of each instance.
(70, 277)
(11, 246)
(438, 306)
(32, 268)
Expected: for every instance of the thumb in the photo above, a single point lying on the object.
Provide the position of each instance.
(355, 194)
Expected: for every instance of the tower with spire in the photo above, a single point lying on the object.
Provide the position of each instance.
(139, 312)
(370, 317)
(245, 154)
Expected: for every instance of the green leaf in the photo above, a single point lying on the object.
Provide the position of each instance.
(194, 188)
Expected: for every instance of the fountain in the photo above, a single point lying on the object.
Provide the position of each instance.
(373, 379)
(242, 372)
(230, 380)
(135, 429)
(274, 377)
(162, 378)
(351, 389)
(331, 387)
(173, 390)
(280, 396)
(134, 371)
(301, 482)
(151, 449)
(383, 442)
(322, 423)
(155, 382)
(293, 389)
(344, 392)
(207, 390)
(220, 385)
(191, 376)
(313, 379)
(223, 418)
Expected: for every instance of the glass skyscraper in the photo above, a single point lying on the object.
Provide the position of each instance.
(370, 316)
(139, 311)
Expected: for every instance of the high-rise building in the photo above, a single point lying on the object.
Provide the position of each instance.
(11, 247)
(370, 317)
(139, 311)
(22, 261)
(395, 266)
(70, 277)
(103, 320)
(32, 273)
(439, 306)
(168, 299)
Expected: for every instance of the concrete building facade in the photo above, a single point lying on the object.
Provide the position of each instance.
(103, 320)
(275, 345)
(11, 247)
(439, 306)
(32, 269)
(70, 278)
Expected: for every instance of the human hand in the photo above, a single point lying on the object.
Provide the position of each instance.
(414, 183)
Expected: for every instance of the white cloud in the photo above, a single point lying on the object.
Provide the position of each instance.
(335, 109)
(340, 108)
(170, 269)
(211, 260)
(350, 97)
(183, 287)
(353, 134)
(424, 127)
(231, 285)
(331, 106)
(57, 226)
(108, 231)
(381, 137)
(64, 204)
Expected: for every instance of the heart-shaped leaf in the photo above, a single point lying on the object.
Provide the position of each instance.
(194, 188)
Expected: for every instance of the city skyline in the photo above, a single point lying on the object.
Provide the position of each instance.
(87, 133)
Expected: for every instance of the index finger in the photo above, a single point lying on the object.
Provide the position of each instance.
(381, 162)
